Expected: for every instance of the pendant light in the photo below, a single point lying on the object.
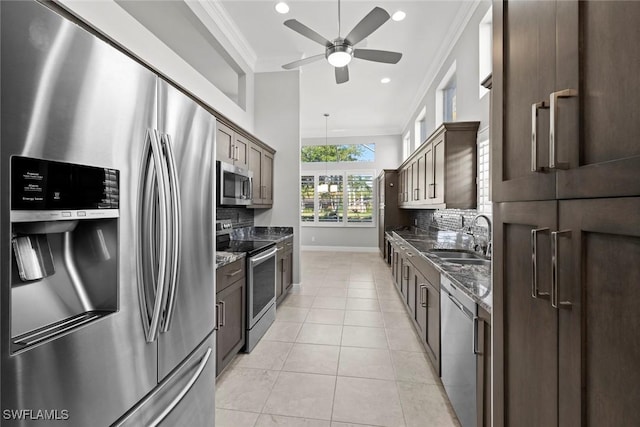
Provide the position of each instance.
(324, 188)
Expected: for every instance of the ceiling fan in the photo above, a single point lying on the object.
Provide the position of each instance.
(340, 51)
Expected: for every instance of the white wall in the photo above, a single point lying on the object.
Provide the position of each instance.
(277, 123)
(465, 54)
(340, 237)
(114, 22)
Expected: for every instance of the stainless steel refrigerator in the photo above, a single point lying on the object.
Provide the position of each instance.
(107, 289)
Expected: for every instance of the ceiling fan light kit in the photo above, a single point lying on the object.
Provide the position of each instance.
(340, 51)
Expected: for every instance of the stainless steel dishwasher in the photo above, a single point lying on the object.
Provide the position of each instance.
(458, 347)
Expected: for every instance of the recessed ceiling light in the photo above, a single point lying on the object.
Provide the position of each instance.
(385, 80)
(282, 7)
(399, 16)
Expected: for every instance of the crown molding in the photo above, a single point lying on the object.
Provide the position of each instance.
(464, 15)
(227, 29)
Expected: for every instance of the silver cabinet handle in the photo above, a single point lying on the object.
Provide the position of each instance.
(410, 255)
(534, 134)
(184, 391)
(176, 231)
(238, 271)
(474, 343)
(217, 309)
(416, 194)
(534, 261)
(407, 278)
(553, 105)
(237, 153)
(432, 191)
(554, 270)
(224, 313)
(424, 296)
(231, 150)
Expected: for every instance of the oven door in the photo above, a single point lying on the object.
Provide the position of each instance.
(262, 284)
(234, 185)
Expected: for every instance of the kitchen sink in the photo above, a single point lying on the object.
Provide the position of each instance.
(456, 254)
(469, 261)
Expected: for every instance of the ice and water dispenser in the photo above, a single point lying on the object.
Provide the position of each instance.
(64, 236)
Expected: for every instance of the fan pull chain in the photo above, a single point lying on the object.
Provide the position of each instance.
(339, 19)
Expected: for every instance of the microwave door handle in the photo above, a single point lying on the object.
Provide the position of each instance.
(176, 231)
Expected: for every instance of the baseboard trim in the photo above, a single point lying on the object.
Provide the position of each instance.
(367, 249)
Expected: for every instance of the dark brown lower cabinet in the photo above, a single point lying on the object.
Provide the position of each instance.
(427, 315)
(231, 313)
(284, 268)
(566, 319)
(483, 368)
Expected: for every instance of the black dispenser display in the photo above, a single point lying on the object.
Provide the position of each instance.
(64, 223)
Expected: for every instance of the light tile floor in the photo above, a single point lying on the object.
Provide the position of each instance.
(341, 353)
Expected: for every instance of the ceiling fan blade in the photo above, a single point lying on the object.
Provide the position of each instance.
(300, 28)
(303, 61)
(377, 55)
(368, 25)
(342, 74)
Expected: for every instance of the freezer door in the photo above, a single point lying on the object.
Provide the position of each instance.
(184, 398)
(68, 96)
(188, 133)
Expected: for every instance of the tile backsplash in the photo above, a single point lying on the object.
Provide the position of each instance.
(449, 219)
(240, 217)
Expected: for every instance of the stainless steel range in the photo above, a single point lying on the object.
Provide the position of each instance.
(261, 280)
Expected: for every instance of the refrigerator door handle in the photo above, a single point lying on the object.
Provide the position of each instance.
(184, 391)
(152, 171)
(175, 231)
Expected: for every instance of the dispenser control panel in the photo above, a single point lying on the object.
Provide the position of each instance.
(44, 185)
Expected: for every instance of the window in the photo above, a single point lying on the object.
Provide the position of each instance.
(420, 128)
(338, 198)
(446, 97)
(484, 200)
(338, 153)
(406, 145)
(484, 50)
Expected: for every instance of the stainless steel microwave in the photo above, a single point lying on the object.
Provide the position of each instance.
(234, 185)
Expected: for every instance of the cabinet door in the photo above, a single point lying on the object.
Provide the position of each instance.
(241, 151)
(407, 270)
(255, 166)
(411, 287)
(597, 132)
(267, 178)
(287, 274)
(231, 332)
(429, 178)
(438, 170)
(599, 344)
(524, 62)
(279, 271)
(483, 368)
(396, 265)
(224, 143)
(525, 327)
(433, 323)
(421, 304)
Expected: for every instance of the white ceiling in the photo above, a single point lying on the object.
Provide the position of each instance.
(362, 106)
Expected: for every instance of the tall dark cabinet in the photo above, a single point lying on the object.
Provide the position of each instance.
(566, 176)
(389, 214)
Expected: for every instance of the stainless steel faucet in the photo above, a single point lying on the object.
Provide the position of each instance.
(486, 250)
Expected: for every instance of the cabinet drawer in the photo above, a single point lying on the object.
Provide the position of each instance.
(229, 274)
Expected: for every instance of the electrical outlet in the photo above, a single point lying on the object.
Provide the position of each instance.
(415, 222)
(313, 238)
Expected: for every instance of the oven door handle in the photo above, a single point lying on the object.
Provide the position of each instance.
(259, 259)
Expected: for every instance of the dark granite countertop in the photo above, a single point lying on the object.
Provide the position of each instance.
(273, 234)
(224, 258)
(474, 280)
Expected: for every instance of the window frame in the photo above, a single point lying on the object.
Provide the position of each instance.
(345, 173)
